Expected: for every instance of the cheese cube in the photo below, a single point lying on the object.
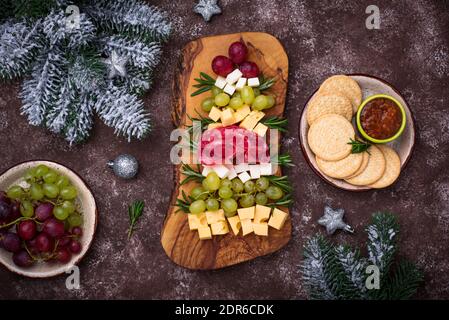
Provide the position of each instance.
(277, 219)
(235, 224)
(246, 213)
(244, 176)
(265, 169)
(260, 129)
(234, 76)
(215, 216)
(219, 228)
(204, 233)
(241, 113)
(220, 82)
(261, 229)
(206, 170)
(231, 174)
(253, 82)
(215, 114)
(221, 170)
(229, 89)
(214, 125)
(197, 221)
(240, 84)
(247, 226)
(241, 167)
(262, 213)
(252, 119)
(254, 171)
(227, 117)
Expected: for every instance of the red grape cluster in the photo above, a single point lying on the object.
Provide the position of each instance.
(238, 53)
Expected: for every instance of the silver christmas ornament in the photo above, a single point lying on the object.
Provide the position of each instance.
(124, 166)
(333, 220)
(207, 8)
(116, 65)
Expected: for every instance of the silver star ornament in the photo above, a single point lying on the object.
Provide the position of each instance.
(116, 65)
(207, 8)
(333, 220)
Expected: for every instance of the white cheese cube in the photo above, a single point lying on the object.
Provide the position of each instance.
(244, 176)
(229, 89)
(240, 84)
(241, 167)
(220, 82)
(260, 129)
(206, 170)
(253, 82)
(231, 174)
(234, 76)
(265, 169)
(254, 171)
(221, 170)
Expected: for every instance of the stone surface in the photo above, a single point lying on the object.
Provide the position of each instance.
(411, 50)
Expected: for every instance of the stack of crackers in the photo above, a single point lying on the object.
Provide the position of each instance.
(329, 115)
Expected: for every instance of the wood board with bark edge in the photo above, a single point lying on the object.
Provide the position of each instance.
(182, 245)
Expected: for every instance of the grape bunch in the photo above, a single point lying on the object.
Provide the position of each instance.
(229, 195)
(42, 221)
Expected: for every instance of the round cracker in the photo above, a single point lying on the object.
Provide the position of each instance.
(362, 166)
(341, 168)
(343, 85)
(329, 135)
(328, 104)
(373, 171)
(392, 170)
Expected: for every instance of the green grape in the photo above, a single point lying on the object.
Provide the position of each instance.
(41, 170)
(68, 193)
(250, 186)
(69, 206)
(271, 102)
(207, 104)
(36, 191)
(229, 205)
(26, 209)
(225, 192)
(215, 91)
(60, 213)
(236, 103)
(197, 206)
(222, 99)
(75, 220)
(237, 185)
(274, 193)
(62, 181)
(30, 174)
(50, 177)
(247, 95)
(205, 185)
(262, 184)
(15, 192)
(199, 193)
(260, 103)
(212, 204)
(237, 95)
(261, 198)
(247, 201)
(230, 214)
(213, 181)
(256, 92)
(51, 190)
(226, 183)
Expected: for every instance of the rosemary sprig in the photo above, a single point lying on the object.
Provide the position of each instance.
(282, 182)
(359, 146)
(276, 123)
(266, 83)
(285, 201)
(135, 211)
(283, 160)
(191, 174)
(204, 83)
(184, 203)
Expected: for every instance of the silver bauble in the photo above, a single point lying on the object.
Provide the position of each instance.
(124, 166)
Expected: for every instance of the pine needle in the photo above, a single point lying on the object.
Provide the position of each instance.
(135, 211)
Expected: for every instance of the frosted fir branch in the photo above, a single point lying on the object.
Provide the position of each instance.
(56, 117)
(138, 81)
(123, 111)
(354, 270)
(80, 120)
(141, 55)
(86, 71)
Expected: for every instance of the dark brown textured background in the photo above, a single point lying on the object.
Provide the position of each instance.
(411, 50)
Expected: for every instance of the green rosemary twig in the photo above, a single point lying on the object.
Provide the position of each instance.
(276, 123)
(266, 83)
(283, 160)
(204, 84)
(281, 182)
(359, 146)
(191, 174)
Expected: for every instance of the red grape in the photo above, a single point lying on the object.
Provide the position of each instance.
(44, 211)
(4, 197)
(238, 52)
(249, 69)
(222, 65)
(77, 231)
(64, 241)
(26, 229)
(11, 242)
(31, 245)
(15, 211)
(22, 258)
(63, 255)
(5, 210)
(75, 246)
(53, 228)
(44, 243)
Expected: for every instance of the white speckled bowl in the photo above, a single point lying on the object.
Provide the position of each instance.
(89, 209)
(403, 145)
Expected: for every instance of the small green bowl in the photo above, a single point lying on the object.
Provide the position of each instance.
(359, 112)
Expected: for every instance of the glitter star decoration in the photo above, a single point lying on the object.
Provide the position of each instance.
(333, 220)
(116, 65)
(207, 8)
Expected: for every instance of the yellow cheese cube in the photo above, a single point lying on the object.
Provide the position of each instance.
(204, 233)
(277, 219)
(214, 125)
(261, 229)
(227, 117)
(241, 113)
(235, 224)
(252, 119)
(262, 213)
(219, 228)
(197, 220)
(247, 226)
(215, 114)
(246, 213)
(260, 129)
(215, 216)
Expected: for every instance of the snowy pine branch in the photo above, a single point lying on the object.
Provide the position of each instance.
(80, 119)
(138, 81)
